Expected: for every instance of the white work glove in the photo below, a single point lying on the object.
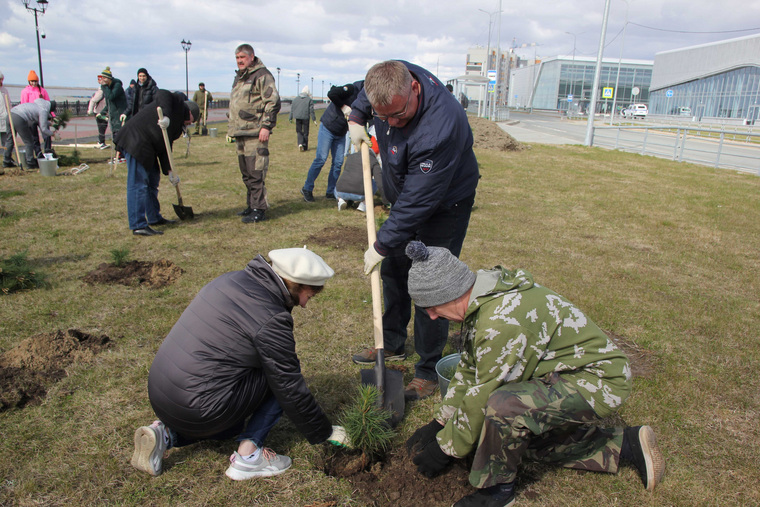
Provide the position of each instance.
(163, 123)
(358, 134)
(122, 117)
(346, 110)
(338, 437)
(372, 259)
(173, 178)
(315, 123)
(57, 136)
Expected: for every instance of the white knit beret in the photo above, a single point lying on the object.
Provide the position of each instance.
(300, 265)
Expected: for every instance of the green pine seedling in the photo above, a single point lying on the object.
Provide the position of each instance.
(120, 256)
(16, 273)
(366, 423)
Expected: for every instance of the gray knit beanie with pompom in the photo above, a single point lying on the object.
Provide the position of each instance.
(436, 276)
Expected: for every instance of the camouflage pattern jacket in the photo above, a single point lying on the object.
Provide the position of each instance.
(515, 331)
(254, 101)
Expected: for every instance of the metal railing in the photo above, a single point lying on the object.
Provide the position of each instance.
(719, 148)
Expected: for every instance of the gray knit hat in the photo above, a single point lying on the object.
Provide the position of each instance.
(436, 276)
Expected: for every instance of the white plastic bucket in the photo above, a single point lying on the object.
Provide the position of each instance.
(212, 132)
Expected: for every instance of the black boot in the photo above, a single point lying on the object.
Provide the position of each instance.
(640, 449)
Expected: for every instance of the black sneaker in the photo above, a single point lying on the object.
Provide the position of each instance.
(640, 448)
(307, 196)
(502, 495)
(257, 215)
(245, 212)
(147, 231)
(369, 356)
(9, 164)
(330, 196)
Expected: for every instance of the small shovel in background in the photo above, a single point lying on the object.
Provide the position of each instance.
(13, 133)
(204, 130)
(389, 382)
(183, 212)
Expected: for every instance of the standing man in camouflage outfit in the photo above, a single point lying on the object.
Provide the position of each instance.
(254, 104)
(203, 98)
(535, 379)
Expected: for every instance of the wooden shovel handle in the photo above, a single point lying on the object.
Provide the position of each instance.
(13, 131)
(166, 140)
(377, 312)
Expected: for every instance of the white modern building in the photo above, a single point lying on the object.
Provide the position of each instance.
(716, 80)
(565, 83)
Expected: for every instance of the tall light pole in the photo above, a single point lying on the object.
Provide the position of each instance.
(323, 90)
(620, 58)
(589, 141)
(40, 8)
(298, 82)
(186, 46)
(488, 57)
(571, 33)
(312, 85)
(278, 79)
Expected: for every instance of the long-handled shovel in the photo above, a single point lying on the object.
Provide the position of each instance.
(183, 212)
(13, 133)
(390, 382)
(204, 130)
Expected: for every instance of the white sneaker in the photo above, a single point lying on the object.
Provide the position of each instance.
(362, 207)
(342, 204)
(268, 464)
(149, 449)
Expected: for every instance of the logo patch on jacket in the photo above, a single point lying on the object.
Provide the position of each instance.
(394, 150)
(426, 166)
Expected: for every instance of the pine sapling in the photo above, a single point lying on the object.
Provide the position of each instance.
(366, 423)
(120, 256)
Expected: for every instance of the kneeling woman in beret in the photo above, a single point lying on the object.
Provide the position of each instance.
(229, 369)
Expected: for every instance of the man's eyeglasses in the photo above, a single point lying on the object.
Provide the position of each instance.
(395, 115)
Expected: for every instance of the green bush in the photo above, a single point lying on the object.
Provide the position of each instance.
(366, 423)
(17, 274)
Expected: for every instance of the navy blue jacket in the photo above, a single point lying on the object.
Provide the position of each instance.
(333, 118)
(427, 165)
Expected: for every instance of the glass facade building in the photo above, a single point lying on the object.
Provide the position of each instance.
(562, 83)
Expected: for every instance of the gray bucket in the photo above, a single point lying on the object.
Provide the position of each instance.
(445, 369)
(212, 132)
(47, 167)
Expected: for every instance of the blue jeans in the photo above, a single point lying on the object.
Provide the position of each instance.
(142, 194)
(327, 144)
(445, 228)
(257, 428)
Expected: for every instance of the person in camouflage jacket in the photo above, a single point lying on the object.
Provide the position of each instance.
(535, 378)
(254, 104)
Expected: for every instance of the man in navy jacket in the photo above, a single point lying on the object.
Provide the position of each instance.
(429, 175)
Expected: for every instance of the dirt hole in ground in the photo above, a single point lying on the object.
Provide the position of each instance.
(396, 481)
(340, 237)
(152, 274)
(28, 370)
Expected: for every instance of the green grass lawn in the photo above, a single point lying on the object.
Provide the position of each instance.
(664, 255)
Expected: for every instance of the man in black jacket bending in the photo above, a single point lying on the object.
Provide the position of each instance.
(142, 143)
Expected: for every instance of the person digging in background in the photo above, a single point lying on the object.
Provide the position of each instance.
(6, 134)
(429, 176)
(95, 107)
(229, 368)
(29, 117)
(535, 379)
(350, 186)
(203, 98)
(142, 143)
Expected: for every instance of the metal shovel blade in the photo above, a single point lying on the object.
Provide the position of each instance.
(392, 395)
(204, 131)
(184, 212)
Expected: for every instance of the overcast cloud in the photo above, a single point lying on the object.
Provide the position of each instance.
(336, 41)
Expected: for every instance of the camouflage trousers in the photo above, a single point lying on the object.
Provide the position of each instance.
(544, 420)
(253, 159)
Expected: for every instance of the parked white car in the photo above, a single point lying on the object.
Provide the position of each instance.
(636, 111)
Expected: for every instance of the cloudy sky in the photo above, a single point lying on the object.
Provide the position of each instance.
(336, 41)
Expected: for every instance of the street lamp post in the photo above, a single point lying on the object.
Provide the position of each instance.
(278, 79)
(488, 59)
(620, 59)
(323, 90)
(40, 8)
(298, 82)
(186, 46)
(312, 85)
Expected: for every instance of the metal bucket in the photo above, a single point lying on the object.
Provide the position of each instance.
(212, 132)
(446, 367)
(47, 167)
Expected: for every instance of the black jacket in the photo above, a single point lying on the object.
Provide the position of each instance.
(229, 350)
(141, 136)
(333, 118)
(143, 95)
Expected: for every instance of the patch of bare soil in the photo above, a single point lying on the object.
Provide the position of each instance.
(153, 274)
(28, 370)
(396, 481)
(340, 237)
(487, 135)
(643, 362)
